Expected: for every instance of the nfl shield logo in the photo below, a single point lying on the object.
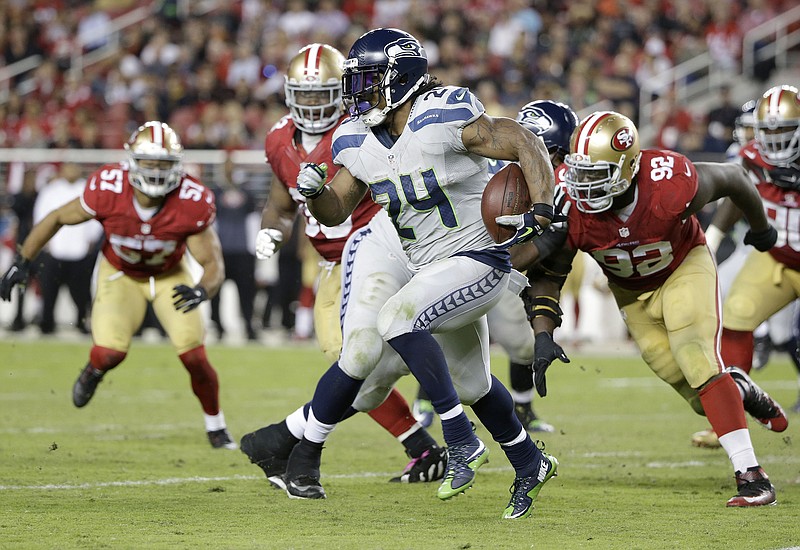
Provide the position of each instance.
(624, 232)
(146, 229)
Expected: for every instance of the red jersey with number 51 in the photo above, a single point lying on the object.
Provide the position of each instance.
(143, 248)
(642, 251)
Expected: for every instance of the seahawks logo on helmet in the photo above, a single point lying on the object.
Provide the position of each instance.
(537, 119)
(404, 47)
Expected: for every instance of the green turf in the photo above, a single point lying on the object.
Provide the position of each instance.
(134, 470)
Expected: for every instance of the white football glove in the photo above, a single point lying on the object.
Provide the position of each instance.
(311, 179)
(267, 242)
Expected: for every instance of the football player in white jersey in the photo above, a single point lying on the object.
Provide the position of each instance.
(420, 149)
(314, 96)
(554, 122)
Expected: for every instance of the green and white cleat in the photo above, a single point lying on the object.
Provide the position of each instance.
(462, 463)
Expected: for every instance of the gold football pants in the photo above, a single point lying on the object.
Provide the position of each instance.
(676, 326)
(120, 305)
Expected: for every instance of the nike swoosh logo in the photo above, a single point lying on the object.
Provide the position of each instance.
(750, 154)
(478, 451)
(461, 94)
(688, 170)
(528, 231)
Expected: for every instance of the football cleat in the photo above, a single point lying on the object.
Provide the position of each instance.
(85, 385)
(462, 463)
(524, 490)
(706, 439)
(269, 449)
(762, 349)
(423, 412)
(221, 439)
(429, 466)
(529, 420)
(758, 403)
(302, 472)
(755, 489)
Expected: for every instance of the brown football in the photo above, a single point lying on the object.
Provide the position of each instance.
(506, 194)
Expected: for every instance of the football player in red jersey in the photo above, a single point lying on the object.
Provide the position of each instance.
(151, 212)
(314, 96)
(632, 210)
(768, 281)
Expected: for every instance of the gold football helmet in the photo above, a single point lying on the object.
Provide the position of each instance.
(603, 160)
(778, 125)
(314, 88)
(154, 157)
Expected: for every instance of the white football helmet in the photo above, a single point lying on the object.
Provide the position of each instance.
(603, 160)
(777, 124)
(314, 88)
(157, 146)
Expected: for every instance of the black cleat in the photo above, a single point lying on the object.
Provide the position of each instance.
(221, 439)
(85, 385)
(762, 349)
(302, 473)
(765, 410)
(755, 489)
(269, 449)
(429, 466)
(529, 420)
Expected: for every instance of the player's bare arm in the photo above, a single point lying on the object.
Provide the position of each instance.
(71, 213)
(726, 215)
(207, 250)
(279, 211)
(338, 199)
(503, 138)
(547, 278)
(718, 180)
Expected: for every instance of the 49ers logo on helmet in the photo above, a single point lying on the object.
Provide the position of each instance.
(622, 140)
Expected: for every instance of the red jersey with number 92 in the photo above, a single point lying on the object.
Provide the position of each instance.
(143, 248)
(642, 251)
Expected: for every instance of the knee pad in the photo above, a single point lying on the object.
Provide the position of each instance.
(361, 352)
(391, 322)
(739, 311)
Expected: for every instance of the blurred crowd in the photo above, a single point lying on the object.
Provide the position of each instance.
(214, 70)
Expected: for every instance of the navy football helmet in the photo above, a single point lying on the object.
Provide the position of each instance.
(387, 64)
(552, 121)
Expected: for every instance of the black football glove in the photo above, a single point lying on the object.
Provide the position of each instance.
(546, 351)
(186, 298)
(761, 240)
(17, 274)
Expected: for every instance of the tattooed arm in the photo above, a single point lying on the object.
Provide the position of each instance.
(503, 138)
(338, 199)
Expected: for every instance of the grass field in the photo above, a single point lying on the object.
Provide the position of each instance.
(134, 470)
